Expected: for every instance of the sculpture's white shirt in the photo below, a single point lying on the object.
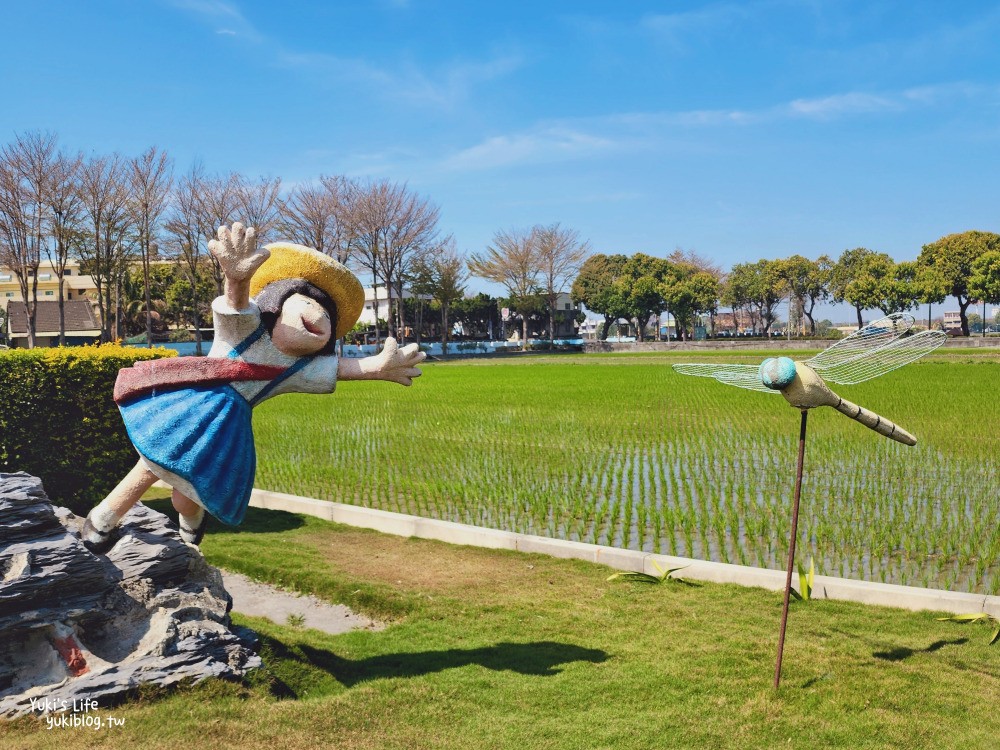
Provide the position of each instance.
(232, 327)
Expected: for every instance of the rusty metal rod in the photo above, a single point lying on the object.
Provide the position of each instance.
(791, 547)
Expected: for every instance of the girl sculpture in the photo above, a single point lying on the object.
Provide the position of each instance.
(189, 418)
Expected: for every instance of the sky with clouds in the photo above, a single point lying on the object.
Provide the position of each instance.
(737, 130)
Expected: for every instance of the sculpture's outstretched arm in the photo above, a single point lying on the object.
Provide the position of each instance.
(392, 363)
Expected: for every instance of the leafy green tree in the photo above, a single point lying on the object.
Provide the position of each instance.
(901, 288)
(688, 293)
(641, 284)
(952, 258)
(596, 287)
(808, 282)
(479, 315)
(984, 284)
(758, 288)
(858, 278)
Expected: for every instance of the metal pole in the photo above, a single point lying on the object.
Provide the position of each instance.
(791, 547)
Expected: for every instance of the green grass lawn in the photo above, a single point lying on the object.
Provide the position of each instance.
(501, 650)
(620, 450)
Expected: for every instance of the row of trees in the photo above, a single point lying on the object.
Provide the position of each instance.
(965, 266)
(641, 286)
(115, 213)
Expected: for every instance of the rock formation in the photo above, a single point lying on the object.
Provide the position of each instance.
(77, 628)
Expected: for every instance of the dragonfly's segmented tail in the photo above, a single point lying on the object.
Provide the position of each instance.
(873, 421)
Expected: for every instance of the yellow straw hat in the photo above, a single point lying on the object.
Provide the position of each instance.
(290, 261)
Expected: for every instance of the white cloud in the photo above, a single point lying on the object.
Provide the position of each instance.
(445, 87)
(543, 145)
(836, 105)
(677, 28)
(226, 16)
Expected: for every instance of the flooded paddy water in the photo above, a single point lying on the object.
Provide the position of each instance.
(629, 454)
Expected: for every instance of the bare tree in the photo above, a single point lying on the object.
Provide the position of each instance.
(150, 178)
(65, 209)
(560, 255)
(442, 275)
(512, 260)
(259, 204)
(218, 205)
(312, 216)
(185, 229)
(26, 168)
(388, 226)
(106, 199)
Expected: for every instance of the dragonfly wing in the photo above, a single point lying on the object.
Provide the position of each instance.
(889, 357)
(742, 376)
(862, 342)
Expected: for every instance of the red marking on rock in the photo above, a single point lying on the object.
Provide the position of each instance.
(70, 651)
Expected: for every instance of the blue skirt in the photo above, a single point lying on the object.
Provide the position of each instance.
(204, 435)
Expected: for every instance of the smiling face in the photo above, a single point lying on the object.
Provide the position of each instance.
(303, 327)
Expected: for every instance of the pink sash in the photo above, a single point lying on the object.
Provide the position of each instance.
(148, 375)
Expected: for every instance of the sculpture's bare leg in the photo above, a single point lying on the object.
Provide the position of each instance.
(106, 515)
(191, 516)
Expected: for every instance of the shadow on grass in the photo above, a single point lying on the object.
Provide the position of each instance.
(901, 652)
(540, 658)
(256, 521)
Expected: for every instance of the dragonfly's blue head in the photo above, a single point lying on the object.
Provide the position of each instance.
(777, 372)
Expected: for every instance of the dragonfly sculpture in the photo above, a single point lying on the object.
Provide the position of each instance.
(876, 349)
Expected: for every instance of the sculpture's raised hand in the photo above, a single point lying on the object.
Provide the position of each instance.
(237, 252)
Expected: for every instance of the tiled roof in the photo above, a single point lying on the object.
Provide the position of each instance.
(79, 316)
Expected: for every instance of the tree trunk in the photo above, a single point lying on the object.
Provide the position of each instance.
(444, 330)
(861, 322)
(62, 313)
(962, 307)
(378, 335)
(524, 332)
(605, 327)
(149, 301)
(402, 314)
(552, 325)
(197, 320)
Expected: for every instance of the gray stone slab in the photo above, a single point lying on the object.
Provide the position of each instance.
(287, 608)
(78, 627)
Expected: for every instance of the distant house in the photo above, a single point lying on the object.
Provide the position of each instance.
(952, 319)
(380, 307)
(75, 285)
(82, 326)
(732, 323)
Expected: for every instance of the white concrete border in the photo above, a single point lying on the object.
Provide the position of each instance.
(883, 594)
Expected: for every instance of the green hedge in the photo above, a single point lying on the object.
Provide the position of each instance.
(59, 422)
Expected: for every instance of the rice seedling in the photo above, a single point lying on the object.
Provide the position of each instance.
(623, 451)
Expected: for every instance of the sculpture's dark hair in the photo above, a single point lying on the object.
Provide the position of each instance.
(273, 296)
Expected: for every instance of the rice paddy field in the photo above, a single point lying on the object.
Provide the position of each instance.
(621, 450)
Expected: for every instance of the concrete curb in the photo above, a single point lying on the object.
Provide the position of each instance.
(882, 594)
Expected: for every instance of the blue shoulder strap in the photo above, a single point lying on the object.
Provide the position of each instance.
(249, 341)
(298, 365)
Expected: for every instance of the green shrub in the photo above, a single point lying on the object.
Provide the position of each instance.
(59, 422)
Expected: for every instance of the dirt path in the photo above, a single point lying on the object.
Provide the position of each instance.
(260, 600)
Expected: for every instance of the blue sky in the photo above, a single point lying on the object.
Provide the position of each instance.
(737, 130)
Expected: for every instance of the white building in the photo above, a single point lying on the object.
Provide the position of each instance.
(379, 308)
